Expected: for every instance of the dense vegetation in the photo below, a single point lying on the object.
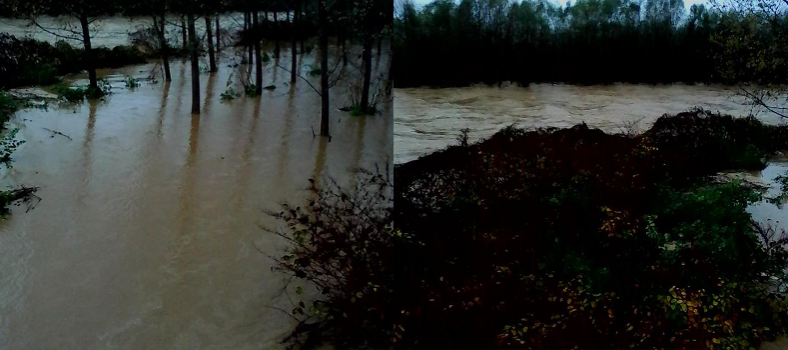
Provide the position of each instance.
(550, 239)
(586, 41)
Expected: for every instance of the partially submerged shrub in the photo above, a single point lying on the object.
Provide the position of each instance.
(132, 83)
(8, 106)
(250, 90)
(9, 144)
(71, 93)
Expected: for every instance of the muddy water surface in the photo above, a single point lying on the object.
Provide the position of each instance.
(148, 232)
(428, 119)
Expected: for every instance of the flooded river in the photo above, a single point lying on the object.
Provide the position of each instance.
(427, 119)
(148, 232)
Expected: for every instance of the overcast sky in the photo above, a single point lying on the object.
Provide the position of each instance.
(687, 3)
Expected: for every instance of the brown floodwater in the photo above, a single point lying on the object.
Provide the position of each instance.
(148, 234)
(427, 120)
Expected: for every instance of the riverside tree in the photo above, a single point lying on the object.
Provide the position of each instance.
(368, 17)
(751, 47)
(86, 12)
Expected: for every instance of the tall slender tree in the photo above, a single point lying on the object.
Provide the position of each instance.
(324, 88)
(195, 63)
(294, 41)
(258, 79)
(86, 12)
(211, 52)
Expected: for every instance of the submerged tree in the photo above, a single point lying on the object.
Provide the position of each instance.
(195, 63)
(86, 12)
(369, 20)
(211, 51)
(157, 9)
(324, 85)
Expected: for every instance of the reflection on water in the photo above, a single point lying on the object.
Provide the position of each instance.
(427, 120)
(765, 212)
(148, 232)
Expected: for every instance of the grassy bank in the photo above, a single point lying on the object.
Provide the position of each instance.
(550, 239)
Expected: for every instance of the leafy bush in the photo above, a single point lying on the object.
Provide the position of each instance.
(8, 106)
(342, 232)
(551, 239)
(250, 90)
(71, 93)
(132, 83)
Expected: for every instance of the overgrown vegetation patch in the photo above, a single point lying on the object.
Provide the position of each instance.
(551, 239)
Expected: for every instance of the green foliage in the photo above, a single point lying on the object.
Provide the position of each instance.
(79, 93)
(250, 90)
(314, 71)
(71, 93)
(229, 94)
(132, 83)
(357, 110)
(9, 144)
(8, 106)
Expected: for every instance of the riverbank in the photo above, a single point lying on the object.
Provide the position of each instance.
(563, 238)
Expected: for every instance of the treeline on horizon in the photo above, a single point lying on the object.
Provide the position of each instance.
(22, 9)
(446, 43)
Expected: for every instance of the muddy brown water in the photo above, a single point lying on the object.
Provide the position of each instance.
(428, 119)
(148, 234)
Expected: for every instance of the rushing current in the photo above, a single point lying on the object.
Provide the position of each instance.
(429, 119)
(149, 233)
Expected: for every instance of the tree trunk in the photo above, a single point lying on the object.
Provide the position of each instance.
(323, 18)
(342, 35)
(159, 28)
(294, 46)
(211, 56)
(367, 62)
(183, 34)
(342, 47)
(301, 35)
(276, 35)
(258, 78)
(247, 28)
(380, 43)
(91, 66)
(195, 66)
(218, 35)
